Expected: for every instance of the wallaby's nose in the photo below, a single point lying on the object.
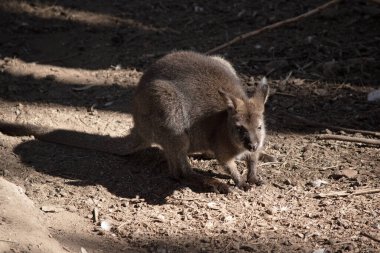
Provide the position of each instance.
(253, 146)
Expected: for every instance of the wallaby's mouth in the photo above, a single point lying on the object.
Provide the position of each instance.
(250, 146)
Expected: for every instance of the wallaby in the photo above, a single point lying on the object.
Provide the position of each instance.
(185, 103)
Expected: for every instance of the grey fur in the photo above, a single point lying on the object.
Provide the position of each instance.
(188, 102)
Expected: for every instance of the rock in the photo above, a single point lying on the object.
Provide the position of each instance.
(105, 225)
(209, 225)
(374, 96)
(23, 223)
(349, 173)
(71, 208)
(212, 205)
(270, 211)
(318, 183)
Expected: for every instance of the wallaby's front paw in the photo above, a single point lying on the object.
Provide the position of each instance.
(256, 180)
(243, 186)
(267, 158)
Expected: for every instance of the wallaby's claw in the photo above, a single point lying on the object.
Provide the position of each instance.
(244, 186)
(256, 180)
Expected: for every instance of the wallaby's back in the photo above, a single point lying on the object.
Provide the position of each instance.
(184, 87)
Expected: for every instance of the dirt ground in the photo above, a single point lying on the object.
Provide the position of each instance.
(74, 65)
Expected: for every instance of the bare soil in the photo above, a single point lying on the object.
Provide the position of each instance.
(74, 65)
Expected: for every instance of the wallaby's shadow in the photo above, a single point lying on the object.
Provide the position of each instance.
(142, 174)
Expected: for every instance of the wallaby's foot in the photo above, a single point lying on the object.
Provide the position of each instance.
(243, 186)
(209, 183)
(219, 187)
(256, 180)
(267, 158)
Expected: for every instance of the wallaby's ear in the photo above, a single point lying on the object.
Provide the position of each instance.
(262, 91)
(231, 101)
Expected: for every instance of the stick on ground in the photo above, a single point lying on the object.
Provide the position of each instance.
(275, 25)
(370, 236)
(318, 124)
(348, 138)
(345, 193)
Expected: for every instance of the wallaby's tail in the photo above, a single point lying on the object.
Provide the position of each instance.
(114, 145)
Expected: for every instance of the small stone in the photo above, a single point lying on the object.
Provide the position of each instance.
(228, 219)
(209, 224)
(349, 173)
(89, 201)
(105, 225)
(318, 183)
(270, 211)
(71, 208)
(161, 218)
(374, 96)
(212, 205)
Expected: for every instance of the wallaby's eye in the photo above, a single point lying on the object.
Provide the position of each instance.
(260, 127)
(241, 130)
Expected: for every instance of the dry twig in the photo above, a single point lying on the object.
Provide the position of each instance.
(370, 236)
(275, 25)
(348, 138)
(1, 240)
(345, 193)
(318, 124)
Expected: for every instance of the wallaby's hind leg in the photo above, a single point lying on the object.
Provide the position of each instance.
(176, 152)
(175, 149)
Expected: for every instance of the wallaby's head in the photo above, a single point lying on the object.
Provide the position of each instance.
(246, 117)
